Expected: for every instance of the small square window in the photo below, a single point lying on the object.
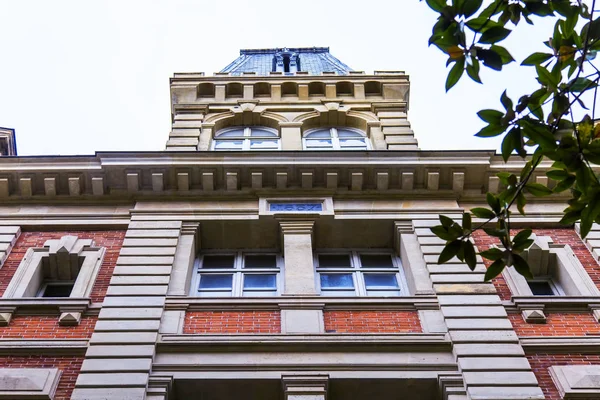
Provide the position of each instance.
(334, 261)
(56, 289)
(260, 261)
(216, 282)
(541, 288)
(337, 281)
(376, 261)
(211, 261)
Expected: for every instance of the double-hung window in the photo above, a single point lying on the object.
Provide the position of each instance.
(237, 274)
(357, 273)
(246, 138)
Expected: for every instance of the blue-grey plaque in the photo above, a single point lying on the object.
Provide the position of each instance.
(295, 207)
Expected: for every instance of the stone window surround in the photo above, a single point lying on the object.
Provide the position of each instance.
(559, 263)
(246, 137)
(28, 277)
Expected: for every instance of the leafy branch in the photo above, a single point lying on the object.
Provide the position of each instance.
(540, 126)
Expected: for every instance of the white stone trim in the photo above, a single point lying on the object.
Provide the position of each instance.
(28, 383)
(576, 381)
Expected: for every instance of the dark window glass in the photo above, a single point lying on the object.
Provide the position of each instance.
(260, 261)
(336, 281)
(55, 290)
(252, 281)
(218, 261)
(216, 282)
(376, 261)
(334, 260)
(381, 281)
(541, 288)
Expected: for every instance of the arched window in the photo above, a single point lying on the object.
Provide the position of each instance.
(335, 139)
(246, 138)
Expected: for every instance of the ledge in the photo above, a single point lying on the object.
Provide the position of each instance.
(401, 342)
(561, 344)
(43, 305)
(552, 303)
(409, 303)
(43, 346)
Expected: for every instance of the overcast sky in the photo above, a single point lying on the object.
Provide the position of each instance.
(83, 76)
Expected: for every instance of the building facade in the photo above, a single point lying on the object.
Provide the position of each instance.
(279, 248)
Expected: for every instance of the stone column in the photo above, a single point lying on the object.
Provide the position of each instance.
(299, 274)
(304, 387)
(119, 358)
(291, 135)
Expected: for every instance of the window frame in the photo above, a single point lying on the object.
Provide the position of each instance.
(41, 292)
(358, 271)
(554, 286)
(238, 273)
(335, 139)
(246, 138)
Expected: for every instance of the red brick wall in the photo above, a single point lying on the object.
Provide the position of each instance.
(372, 321)
(559, 236)
(46, 327)
(112, 240)
(541, 362)
(226, 322)
(69, 365)
(557, 324)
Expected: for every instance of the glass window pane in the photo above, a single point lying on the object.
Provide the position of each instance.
(264, 144)
(358, 142)
(210, 261)
(262, 132)
(334, 261)
(325, 133)
(58, 290)
(319, 143)
(216, 281)
(260, 261)
(228, 144)
(232, 133)
(373, 281)
(256, 281)
(376, 261)
(344, 133)
(331, 281)
(541, 288)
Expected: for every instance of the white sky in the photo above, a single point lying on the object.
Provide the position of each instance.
(83, 76)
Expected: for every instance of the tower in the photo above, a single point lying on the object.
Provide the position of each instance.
(279, 248)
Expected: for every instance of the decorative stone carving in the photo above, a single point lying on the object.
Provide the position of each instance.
(576, 381)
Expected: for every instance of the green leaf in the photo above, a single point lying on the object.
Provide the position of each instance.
(446, 221)
(521, 202)
(470, 7)
(537, 59)
(483, 213)
(537, 189)
(455, 73)
(583, 179)
(503, 53)
(494, 270)
(564, 184)
(491, 131)
(506, 101)
(511, 141)
(521, 266)
(494, 34)
(469, 254)
(491, 116)
(490, 59)
(582, 84)
(442, 233)
(476, 24)
(558, 174)
(450, 251)
(545, 77)
(436, 5)
(570, 218)
(492, 254)
(473, 70)
(522, 236)
(493, 202)
(466, 221)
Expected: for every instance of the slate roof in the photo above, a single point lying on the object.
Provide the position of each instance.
(313, 60)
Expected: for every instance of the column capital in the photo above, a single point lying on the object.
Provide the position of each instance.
(298, 387)
(403, 227)
(302, 226)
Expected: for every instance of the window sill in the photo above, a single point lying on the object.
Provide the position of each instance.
(70, 309)
(408, 303)
(532, 308)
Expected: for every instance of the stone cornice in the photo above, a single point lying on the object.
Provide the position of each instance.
(10, 347)
(561, 344)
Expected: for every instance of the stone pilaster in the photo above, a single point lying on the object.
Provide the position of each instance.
(298, 254)
(486, 347)
(119, 359)
(304, 387)
(8, 238)
(186, 127)
(395, 126)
